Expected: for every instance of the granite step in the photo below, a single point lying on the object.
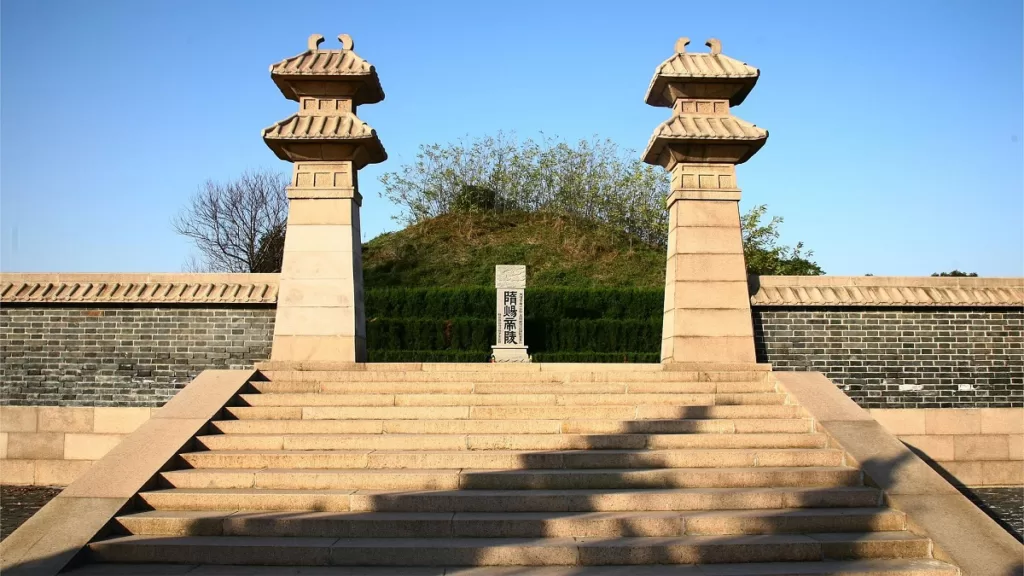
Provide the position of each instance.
(512, 378)
(443, 399)
(505, 412)
(870, 567)
(508, 551)
(259, 499)
(507, 525)
(505, 441)
(502, 387)
(514, 426)
(513, 459)
(482, 479)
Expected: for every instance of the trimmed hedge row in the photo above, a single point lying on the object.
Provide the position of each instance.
(551, 303)
(484, 356)
(562, 324)
(427, 355)
(542, 335)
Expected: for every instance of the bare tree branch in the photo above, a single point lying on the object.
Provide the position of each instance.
(237, 226)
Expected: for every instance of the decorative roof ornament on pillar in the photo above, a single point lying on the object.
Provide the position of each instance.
(320, 315)
(707, 306)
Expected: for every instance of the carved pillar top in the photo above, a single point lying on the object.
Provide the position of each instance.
(328, 85)
(700, 87)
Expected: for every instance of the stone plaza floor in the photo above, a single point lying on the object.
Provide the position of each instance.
(1006, 505)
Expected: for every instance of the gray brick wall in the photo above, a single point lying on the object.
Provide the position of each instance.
(141, 355)
(902, 357)
(122, 356)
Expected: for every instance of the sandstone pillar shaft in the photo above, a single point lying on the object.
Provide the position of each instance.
(707, 308)
(320, 316)
(707, 305)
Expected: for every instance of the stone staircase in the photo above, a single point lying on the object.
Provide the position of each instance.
(494, 466)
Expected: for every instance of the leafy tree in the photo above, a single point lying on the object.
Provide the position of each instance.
(237, 226)
(956, 274)
(763, 253)
(591, 180)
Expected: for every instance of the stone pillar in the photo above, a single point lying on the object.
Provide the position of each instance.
(510, 343)
(707, 305)
(707, 308)
(320, 315)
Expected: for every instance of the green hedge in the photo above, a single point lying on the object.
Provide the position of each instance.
(484, 356)
(600, 357)
(427, 356)
(562, 324)
(429, 334)
(542, 335)
(549, 303)
(547, 335)
(435, 303)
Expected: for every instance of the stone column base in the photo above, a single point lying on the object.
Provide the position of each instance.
(510, 354)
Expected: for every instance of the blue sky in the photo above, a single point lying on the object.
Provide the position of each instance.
(895, 127)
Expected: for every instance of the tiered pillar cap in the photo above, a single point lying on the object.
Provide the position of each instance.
(318, 72)
(734, 79)
(328, 84)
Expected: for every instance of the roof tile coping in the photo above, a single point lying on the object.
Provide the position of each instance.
(138, 288)
(765, 290)
(696, 67)
(344, 66)
(884, 291)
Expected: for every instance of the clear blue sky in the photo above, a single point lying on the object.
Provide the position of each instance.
(896, 126)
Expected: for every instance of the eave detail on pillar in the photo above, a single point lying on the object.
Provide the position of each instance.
(701, 74)
(317, 72)
(328, 138)
(718, 139)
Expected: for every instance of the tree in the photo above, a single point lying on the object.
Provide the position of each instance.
(590, 180)
(956, 274)
(763, 253)
(237, 226)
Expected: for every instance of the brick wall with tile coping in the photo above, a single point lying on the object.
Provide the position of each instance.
(122, 355)
(135, 339)
(902, 357)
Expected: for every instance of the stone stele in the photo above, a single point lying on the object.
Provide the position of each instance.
(510, 284)
(707, 307)
(320, 315)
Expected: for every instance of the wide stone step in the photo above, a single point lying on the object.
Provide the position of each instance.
(508, 551)
(690, 426)
(607, 373)
(513, 459)
(504, 441)
(437, 399)
(508, 525)
(505, 387)
(524, 427)
(255, 499)
(479, 479)
(870, 567)
(638, 412)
